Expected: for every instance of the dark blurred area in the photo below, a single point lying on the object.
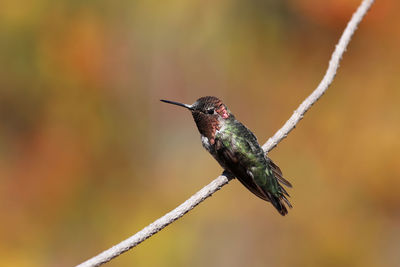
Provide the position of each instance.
(89, 156)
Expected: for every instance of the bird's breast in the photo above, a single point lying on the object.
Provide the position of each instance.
(206, 143)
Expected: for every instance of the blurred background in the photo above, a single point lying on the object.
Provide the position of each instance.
(89, 156)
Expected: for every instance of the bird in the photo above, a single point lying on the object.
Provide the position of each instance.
(237, 150)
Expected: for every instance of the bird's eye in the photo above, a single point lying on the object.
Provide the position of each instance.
(210, 111)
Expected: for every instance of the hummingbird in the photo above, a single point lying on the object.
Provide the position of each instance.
(237, 150)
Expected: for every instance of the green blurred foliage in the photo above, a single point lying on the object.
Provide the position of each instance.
(89, 156)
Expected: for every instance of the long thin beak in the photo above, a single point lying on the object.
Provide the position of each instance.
(177, 103)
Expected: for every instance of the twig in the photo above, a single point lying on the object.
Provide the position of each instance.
(222, 180)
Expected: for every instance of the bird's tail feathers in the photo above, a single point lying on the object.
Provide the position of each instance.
(279, 203)
(279, 199)
(278, 174)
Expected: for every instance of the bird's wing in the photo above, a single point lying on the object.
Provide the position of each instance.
(232, 164)
(239, 153)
